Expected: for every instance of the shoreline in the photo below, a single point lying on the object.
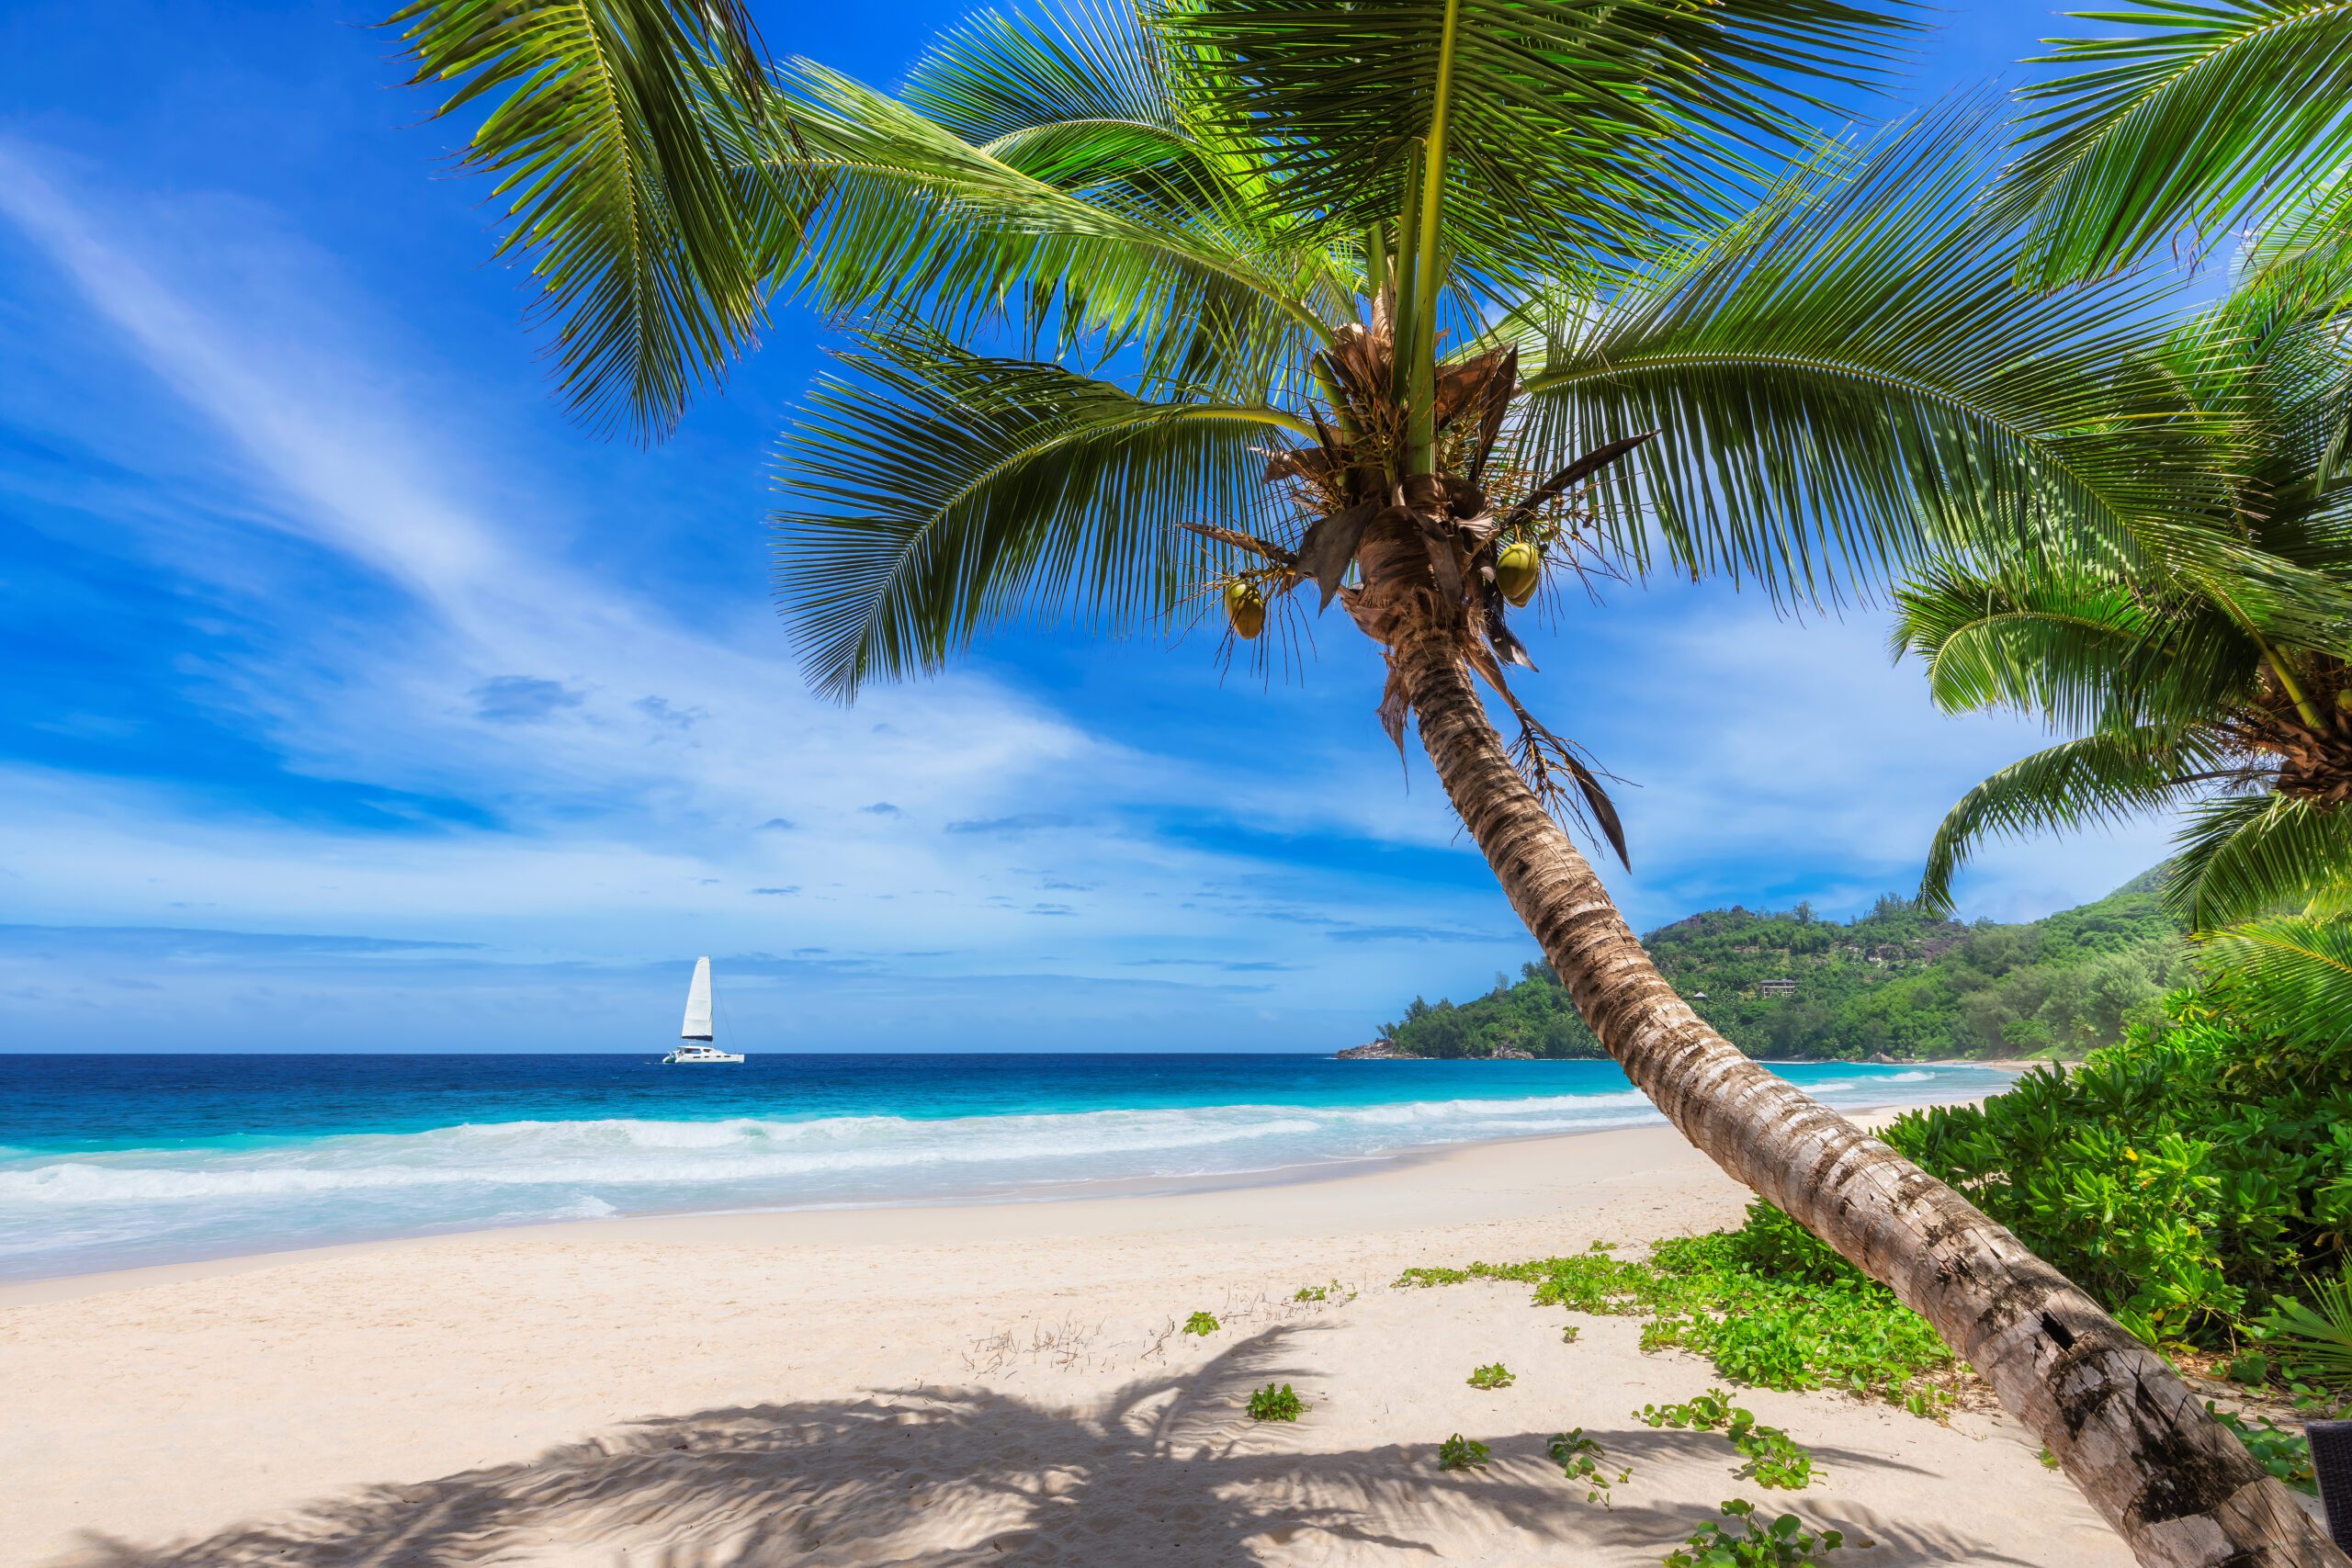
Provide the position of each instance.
(79, 1283)
(965, 1384)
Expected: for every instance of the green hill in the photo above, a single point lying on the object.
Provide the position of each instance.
(1896, 982)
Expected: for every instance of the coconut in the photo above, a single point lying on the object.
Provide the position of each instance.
(1519, 567)
(1246, 607)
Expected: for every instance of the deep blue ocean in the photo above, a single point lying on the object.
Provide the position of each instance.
(108, 1161)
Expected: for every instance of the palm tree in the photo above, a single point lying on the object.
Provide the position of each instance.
(2229, 695)
(2207, 113)
(1402, 299)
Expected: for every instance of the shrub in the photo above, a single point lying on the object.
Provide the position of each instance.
(1200, 1323)
(1582, 1459)
(1273, 1404)
(1458, 1453)
(2186, 1177)
(1495, 1375)
(1785, 1543)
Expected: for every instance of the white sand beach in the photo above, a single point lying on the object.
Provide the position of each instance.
(947, 1385)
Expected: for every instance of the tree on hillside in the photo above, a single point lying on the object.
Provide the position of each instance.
(1399, 304)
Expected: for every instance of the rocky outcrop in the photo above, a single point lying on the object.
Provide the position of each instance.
(1377, 1051)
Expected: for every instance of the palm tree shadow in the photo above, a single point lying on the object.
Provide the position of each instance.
(1168, 1465)
(1168, 1468)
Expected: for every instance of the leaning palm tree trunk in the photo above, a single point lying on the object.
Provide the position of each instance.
(2127, 1430)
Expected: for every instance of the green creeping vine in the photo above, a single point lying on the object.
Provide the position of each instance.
(1458, 1453)
(1203, 1324)
(1774, 1459)
(1581, 1459)
(1767, 1304)
(1495, 1375)
(1783, 1543)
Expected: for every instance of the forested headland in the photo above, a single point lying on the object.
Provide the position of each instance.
(1897, 982)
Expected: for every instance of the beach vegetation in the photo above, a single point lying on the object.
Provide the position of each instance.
(1754, 1541)
(1583, 1461)
(1767, 1304)
(1458, 1453)
(1493, 1375)
(1275, 1402)
(2286, 1454)
(1774, 1459)
(1330, 1292)
(2194, 1177)
(1708, 1412)
(2314, 1339)
(1383, 299)
(1203, 1324)
(1569, 1333)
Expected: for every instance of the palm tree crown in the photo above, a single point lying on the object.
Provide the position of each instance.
(2229, 694)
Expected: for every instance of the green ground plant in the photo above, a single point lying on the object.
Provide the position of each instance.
(2285, 1455)
(1568, 1333)
(1203, 1324)
(1585, 1461)
(1331, 1292)
(1274, 1403)
(1493, 1375)
(1767, 1304)
(1709, 1412)
(1458, 1453)
(1774, 1459)
(1783, 1542)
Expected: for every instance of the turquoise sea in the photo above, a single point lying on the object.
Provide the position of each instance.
(108, 1161)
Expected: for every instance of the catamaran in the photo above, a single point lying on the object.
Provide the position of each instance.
(697, 1029)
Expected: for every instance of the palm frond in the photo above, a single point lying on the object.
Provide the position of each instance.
(621, 135)
(2292, 972)
(936, 493)
(2204, 112)
(1849, 381)
(1081, 95)
(2079, 650)
(2242, 857)
(1567, 127)
(913, 220)
(2100, 779)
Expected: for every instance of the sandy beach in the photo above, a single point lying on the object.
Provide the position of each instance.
(975, 1384)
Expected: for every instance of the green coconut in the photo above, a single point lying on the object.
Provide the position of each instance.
(1519, 567)
(1245, 607)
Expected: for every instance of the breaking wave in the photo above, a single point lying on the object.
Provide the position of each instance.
(63, 1211)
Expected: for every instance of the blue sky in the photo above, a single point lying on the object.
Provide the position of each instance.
(356, 700)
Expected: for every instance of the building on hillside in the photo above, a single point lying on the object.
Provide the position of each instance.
(1776, 988)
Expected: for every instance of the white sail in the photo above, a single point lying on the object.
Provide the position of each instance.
(697, 1025)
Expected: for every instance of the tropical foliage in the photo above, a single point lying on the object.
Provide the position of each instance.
(2191, 1177)
(1900, 981)
(2199, 115)
(1766, 1305)
(2225, 692)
